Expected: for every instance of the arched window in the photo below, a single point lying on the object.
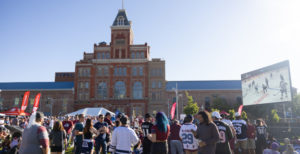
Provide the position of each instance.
(120, 90)
(121, 20)
(102, 90)
(137, 90)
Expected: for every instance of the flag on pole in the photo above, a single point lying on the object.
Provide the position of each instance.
(25, 101)
(36, 102)
(240, 109)
(173, 110)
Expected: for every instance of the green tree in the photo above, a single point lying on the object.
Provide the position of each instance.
(275, 117)
(191, 107)
(231, 114)
(296, 105)
(244, 115)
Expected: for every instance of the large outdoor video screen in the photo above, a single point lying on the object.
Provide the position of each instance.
(270, 84)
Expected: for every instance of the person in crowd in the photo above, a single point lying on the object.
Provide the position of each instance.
(35, 139)
(290, 150)
(7, 121)
(240, 127)
(79, 134)
(23, 123)
(273, 149)
(207, 133)
(117, 124)
(261, 134)
(15, 143)
(226, 134)
(107, 119)
(88, 134)
(123, 138)
(286, 142)
(58, 138)
(5, 148)
(68, 126)
(225, 119)
(102, 138)
(15, 121)
(159, 134)
(251, 135)
(187, 134)
(175, 140)
(146, 127)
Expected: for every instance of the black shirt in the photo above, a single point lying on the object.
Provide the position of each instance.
(146, 127)
(225, 135)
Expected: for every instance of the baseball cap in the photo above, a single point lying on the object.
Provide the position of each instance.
(274, 146)
(216, 115)
(237, 114)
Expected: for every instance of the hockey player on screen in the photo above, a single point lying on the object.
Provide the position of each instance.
(265, 88)
(267, 82)
(283, 87)
(256, 88)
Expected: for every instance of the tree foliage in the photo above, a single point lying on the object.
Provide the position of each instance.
(191, 107)
(231, 114)
(275, 117)
(244, 115)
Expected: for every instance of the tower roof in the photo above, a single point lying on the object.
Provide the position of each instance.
(121, 19)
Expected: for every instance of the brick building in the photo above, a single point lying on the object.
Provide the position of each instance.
(119, 75)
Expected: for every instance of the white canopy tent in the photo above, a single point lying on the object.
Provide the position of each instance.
(91, 111)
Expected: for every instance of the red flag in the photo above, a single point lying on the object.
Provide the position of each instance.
(25, 101)
(240, 109)
(36, 102)
(173, 110)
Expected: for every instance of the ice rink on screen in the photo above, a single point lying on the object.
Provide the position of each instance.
(253, 91)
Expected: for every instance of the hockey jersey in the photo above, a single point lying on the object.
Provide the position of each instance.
(240, 127)
(188, 139)
(146, 127)
(225, 135)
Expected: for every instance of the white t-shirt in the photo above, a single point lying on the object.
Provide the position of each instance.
(123, 138)
(188, 139)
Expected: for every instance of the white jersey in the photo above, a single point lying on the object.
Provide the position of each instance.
(123, 138)
(188, 139)
(228, 122)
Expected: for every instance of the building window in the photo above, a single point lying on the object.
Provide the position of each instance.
(153, 84)
(159, 84)
(103, 55)
(134, 71)
(138, 55)
(99, 71)
(86, 85)
(65, 105)
(142, 55)
(124, 71)
(120, 90)
(107, 55)
(153, 96)
(106, 72)
(120, 20)
(132, 55)
(116, 71)
(137, 90)
(141, 71)
(98, 55)
(16, 101)
(102, 90)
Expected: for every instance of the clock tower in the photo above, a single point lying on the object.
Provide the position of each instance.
(121, 36)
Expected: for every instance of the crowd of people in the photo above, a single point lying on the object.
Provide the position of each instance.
(203, 133)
